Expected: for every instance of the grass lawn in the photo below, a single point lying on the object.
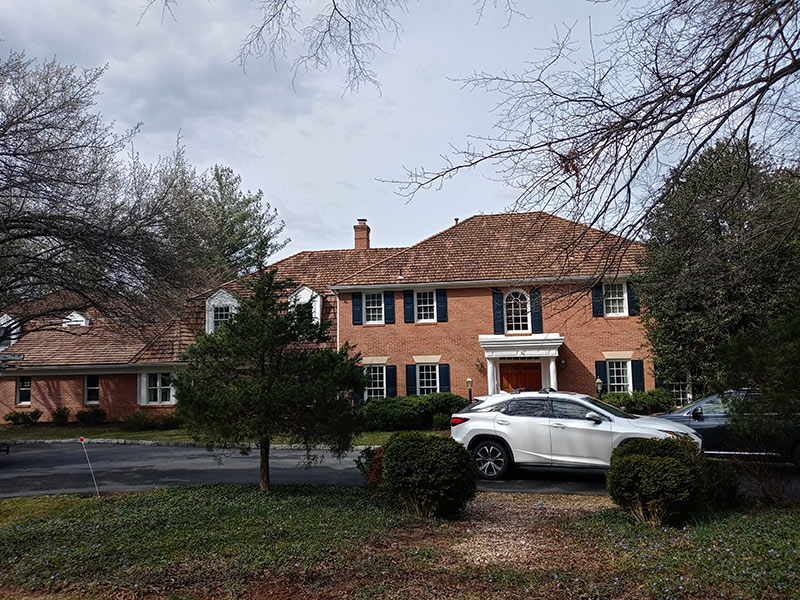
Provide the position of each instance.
(114, 431)
(324, 542)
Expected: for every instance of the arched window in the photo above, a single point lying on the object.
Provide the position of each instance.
(518, 311)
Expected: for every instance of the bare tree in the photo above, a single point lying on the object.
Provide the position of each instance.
(79, 226)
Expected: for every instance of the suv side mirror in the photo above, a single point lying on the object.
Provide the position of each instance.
(594, 417)
(697, 414)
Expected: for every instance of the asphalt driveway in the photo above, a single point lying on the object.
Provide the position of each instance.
(34, 470)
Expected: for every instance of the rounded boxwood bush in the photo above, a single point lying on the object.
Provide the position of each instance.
(428, 474)
(394, 414)
(92, 416)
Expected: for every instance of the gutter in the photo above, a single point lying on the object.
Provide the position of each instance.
(478, 283)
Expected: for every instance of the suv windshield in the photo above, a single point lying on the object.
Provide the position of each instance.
(608, 408)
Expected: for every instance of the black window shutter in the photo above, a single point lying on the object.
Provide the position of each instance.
(441, 306)
(444, 378)
(659, 377)
(388, 307)
(601, 371)
(357, 310)
(411, 380)
(536, 310)
(633, 301)
(408, 306)
(391, 381)
(497, 312)
(597, 300)
(637, 371)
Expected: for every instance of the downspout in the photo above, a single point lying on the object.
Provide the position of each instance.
(338, 342)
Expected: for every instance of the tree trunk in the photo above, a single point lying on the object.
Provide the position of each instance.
(264, 470)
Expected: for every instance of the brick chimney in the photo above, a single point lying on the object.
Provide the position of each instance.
(362, 234)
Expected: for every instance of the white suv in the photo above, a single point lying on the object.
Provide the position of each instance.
(550, 428)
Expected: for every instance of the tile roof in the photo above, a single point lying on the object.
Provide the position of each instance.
(97, 344)
(516, 246)
(318, 269)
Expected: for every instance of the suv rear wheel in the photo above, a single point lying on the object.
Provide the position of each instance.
(492, 459)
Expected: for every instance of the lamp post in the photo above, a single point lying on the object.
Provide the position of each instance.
(469, 388)
(598, 386)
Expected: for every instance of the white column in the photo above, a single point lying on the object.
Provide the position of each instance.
(553, 374)
(491, 375)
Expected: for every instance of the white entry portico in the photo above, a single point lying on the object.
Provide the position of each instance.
(541, 347)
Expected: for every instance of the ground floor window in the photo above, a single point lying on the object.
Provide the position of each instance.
(159, 390)
(91, 389)
(427, 379)
(23, 390)
(376, 388)
(619, 376)
(681, 393)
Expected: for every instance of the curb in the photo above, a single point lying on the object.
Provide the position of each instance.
(125, 442)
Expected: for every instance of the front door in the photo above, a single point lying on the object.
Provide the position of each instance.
(516, 375)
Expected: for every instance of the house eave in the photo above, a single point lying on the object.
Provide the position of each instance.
(477, 283)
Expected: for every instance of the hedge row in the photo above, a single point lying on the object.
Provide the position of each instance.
(410, 412)
(658, 400)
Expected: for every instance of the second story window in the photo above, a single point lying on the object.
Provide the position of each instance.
(614, 300)
(373, 308)
(425, 306)
(221, 314)
(517, 312)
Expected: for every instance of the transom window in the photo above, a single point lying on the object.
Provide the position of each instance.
(426, 306)
(427, 379)
(373, 308)
(615, 299)
(23, 390)
(221, 314)
(376, 388)
(158, 388)
(518, 313)
(91, 389)
(619, 376)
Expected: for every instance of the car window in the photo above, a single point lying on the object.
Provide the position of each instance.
(714, 405)
(534, 407)
(563, 409)
(608, 408)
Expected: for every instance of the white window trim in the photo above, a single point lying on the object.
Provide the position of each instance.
(219, 299)
(435, 370)
(86, 391)
(373, 366)
(75, 319)
(364, 309)
(416, 310)
(16, 391)
(8, 322)
(142, 391)
(505, 314)
(624, 285)
(629, 365)
(305, 294)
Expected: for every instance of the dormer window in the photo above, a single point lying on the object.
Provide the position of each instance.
(305, 295)
(75, 319)
(220, 307)
(9, 331)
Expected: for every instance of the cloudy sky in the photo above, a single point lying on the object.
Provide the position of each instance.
(315, 151)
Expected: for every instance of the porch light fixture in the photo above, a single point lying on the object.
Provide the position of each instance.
(469, 388)
(598, 386)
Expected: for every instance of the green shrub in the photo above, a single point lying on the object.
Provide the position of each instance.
(60, 416)
(442, 403)
(661, 481)
(92, 416)
(441, 421)
(428, 474)
(394, 414)
(167, 421)
(618, 399)
(23, 418)
(137, 421)
(660, 400)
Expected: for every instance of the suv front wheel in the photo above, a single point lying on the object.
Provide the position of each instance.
(492, 459)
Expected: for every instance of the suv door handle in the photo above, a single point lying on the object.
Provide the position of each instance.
(558, 426)
(503, 422)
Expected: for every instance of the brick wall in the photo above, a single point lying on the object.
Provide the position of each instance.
(49, 392)
(470, 315)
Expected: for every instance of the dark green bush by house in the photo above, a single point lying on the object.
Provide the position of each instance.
(60, 416)
(409, 412)
(441, 421)
(661, 481)
(428, 474)
(92, 416)
(23, 418)
(658, 400)
(140, 421)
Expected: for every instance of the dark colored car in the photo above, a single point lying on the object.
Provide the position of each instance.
(709, 418)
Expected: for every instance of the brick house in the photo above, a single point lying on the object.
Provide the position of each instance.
(507, 301)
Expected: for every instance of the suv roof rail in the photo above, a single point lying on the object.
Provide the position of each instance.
(547, 390)
(520, 390)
